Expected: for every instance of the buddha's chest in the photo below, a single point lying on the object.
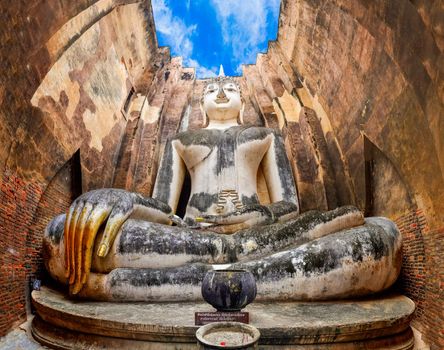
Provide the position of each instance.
(220, 151)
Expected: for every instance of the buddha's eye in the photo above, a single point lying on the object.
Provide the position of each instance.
(211, 89)
(230, 88)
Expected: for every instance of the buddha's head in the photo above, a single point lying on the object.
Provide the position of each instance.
(222, 101)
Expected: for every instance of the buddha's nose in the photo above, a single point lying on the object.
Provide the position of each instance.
(221, 94)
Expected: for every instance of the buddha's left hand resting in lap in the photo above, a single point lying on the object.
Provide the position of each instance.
(117, 245)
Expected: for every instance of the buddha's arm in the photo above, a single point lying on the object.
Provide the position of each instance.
(277, 172)
(113, 207)
(109, 207)
(170, 177)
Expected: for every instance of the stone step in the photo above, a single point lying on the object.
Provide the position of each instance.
(374, 323)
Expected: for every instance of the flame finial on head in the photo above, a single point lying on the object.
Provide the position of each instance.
(221, 71)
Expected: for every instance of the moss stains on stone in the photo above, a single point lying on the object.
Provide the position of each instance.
(55, 228)
(202, 201)
(356, 250)
(165, 175)
(283, 164)
(192, 274)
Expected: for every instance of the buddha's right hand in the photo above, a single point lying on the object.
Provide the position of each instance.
(85, 216)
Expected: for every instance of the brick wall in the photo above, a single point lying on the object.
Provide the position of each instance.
(421, 276)
(433, 322)
(25, 209)
(18, 201)
(412, 226)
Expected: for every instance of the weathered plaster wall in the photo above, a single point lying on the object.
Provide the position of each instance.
(68, 68)
(373, 70)
(376, 68)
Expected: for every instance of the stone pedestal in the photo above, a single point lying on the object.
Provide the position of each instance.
(376, 323)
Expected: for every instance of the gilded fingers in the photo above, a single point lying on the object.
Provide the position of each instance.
(66, 239)
(73, 238)
(87, 225)
(69, 244)
(148, 208)
(84, 219)
(75, 278)
(116, 220)
(92, 227)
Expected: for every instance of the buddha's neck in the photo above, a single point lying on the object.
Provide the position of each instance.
(222, 124)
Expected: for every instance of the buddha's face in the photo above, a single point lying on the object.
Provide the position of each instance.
(222, 100)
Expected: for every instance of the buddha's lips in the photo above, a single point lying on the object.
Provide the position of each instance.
(222, 100)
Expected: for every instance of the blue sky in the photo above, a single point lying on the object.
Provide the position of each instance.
(207, 33)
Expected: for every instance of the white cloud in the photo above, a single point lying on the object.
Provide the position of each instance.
(244, 24)
(201, 72)
(177, 35)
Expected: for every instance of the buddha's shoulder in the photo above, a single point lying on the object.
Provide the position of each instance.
(205, 137)
(251, 133)
(211, 137)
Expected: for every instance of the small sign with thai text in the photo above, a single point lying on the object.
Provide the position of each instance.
(203, 318)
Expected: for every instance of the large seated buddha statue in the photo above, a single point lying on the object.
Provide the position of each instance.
(122, 246)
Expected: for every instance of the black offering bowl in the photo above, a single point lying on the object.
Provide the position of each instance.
(229, 290)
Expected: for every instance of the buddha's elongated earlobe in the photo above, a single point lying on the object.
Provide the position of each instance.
(205, 119)
(240, 118)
